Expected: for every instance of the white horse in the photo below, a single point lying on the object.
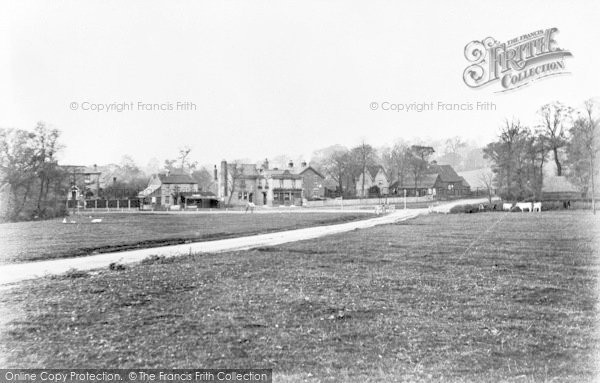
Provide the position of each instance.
(537, 206)
(250, 206)
(525, 205)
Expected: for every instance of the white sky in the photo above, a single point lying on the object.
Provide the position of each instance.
(270, 77)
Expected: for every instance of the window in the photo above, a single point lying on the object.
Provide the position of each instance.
(167, 199)
(450, 187)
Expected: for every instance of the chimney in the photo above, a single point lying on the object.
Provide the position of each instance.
(114, 180)
(290, 164)
(215, 174)
(95, 167)
(303, 164)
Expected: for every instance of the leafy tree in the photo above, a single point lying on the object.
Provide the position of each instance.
(517, 161)
(28, 168)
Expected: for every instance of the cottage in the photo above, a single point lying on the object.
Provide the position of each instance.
(376, 182)
(451, 183)
(425, 185)
(167, 189)
(437, 181)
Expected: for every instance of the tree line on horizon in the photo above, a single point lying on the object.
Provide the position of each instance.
(37, 185)
(564, 136)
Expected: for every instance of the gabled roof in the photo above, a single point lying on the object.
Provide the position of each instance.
(282, 174)
(374, 169)
(424, 181)
(304, 169)
(149, 190)
(558, 184)
(176, 179)
(446, 172)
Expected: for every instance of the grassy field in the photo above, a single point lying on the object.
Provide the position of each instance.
(31, 241)
(461, 298)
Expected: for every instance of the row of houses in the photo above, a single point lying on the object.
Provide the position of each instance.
(241, 183)
(436, 180)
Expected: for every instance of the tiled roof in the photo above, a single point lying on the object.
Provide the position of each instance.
(176, 179)
(281, 174)
(425, 181)
(558, 184)
(373, 170)
(306, 168)
(446, 172)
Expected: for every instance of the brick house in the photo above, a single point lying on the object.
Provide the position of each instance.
(239, 184)
(313, 182)
(84, 181)
(167, 189)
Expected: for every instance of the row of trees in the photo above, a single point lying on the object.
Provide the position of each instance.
(567, 137)
(401, 161)
(33, 184)
(29, 174)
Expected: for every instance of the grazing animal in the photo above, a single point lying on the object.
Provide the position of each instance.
(537, 206)
(507, 206)
(525, 205)
(97, 220)
(250, 206)
(64, 220)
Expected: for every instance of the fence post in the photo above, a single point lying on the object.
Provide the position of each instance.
(128, 204)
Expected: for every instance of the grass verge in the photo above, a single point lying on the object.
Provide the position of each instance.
(465, 298)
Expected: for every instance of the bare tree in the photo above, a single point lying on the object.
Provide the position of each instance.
(363, 156)
(235, 172)
(487, 178)
(583, 148)
(554, 118)
(419, 160)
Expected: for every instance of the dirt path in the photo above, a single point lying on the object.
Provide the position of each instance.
(22, 271)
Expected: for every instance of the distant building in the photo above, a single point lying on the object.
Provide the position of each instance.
(377, 182)
(168, 189)
(437, 181)
(313, 182)
(239, 184)
(559, 188)
(84, 181)
(425, 185)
